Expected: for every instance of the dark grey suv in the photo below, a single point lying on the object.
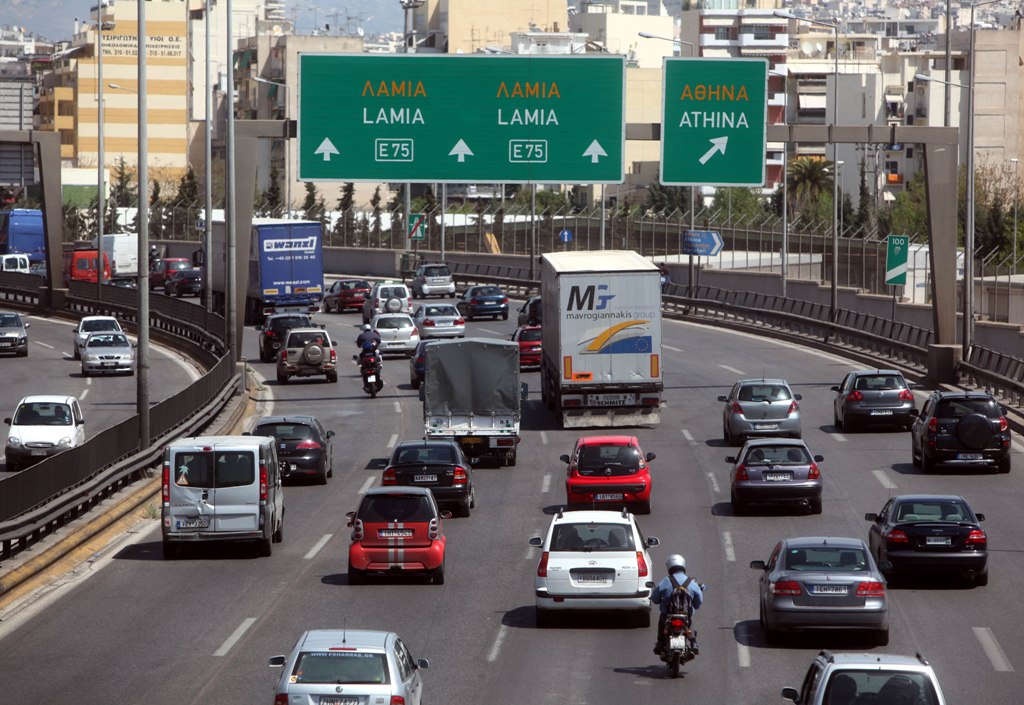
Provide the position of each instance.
(873, 398)
(961, 428)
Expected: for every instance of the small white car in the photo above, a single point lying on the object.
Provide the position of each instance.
(108, 353)
(398, 333)
(349, 667)
(92, 324)
(42, 426)
(594, 561)
(433, 279)
(439, 321)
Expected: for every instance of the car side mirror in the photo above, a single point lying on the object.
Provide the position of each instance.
(653, 541)
(914, 411)
(834, 387)
(536, 541)
(819, 458)
(351, 516)
(730, 458)
(329, 434)
(884, 565)
(798, 397)
(423, 391)
(871, 516)
(981, 517)
(650, 457)
(758, 565)
(276, 661)
(564, 459)
(422, 663)
(524, 391)
(7, 420)
(723, 398)
(790, 694)
(28, 325)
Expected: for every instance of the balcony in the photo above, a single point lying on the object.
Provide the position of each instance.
(749, 39)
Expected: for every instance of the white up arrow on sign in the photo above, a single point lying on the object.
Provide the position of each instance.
(326, 148)
(594, 151)
(462, 150)
(717, 145)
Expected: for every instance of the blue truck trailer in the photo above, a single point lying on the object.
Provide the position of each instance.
(21, 232)
(286, 267)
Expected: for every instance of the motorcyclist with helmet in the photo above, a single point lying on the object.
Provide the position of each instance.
(368, 336)
(675, 565)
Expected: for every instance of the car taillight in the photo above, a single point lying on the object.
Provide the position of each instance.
(389, 477)
(641, 564)
(166, 492)
(977, 537)
(871, 588)
(542, 567)
(793, 408)
(896, 536)
(1003, 425)
(415, 333)
(736, 408)
(460, 322)
(460, 476)
(741, 473)
(813, 473)
(271, 334)
(281, 699)
(906, 395)
(308, 445)
(434, 529)
(429, 322)
(397, 700)
(854, 396)
(263, 483)
(420, 360)
(786, 587)
(933, 425)
(284, 355)
(357, 530)
(504, 300)
(474, 302)
(334, 356)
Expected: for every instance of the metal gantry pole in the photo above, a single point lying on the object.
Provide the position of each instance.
(230, 303)
(100, 181)
(142, 352)
(208, 177)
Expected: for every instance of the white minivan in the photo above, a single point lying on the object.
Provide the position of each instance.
(15, 263)
(43, 425)
(221, 488)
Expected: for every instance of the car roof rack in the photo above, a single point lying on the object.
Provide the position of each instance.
(921, 658)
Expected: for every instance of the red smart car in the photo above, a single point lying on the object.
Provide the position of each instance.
(608, 470)
(528, 338)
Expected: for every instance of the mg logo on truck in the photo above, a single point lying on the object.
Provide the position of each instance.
(580, 299)
(305, 244)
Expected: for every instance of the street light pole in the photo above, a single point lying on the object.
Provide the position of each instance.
(1016, 197)
(142, 357)
(287, 146)
(410, 48)
(785, 184)
(208, 176)
(101, 182)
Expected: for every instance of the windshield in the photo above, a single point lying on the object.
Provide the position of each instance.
(419, 455)
(107, 340)
(340, 667)
(839, 559)
(10, 320)
(43, 414)
(882, 686)
(592, 537)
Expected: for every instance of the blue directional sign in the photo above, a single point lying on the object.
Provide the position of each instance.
(704, 243)
(565, 235)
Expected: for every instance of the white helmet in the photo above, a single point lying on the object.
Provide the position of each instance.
(675, 561)
(366, 326)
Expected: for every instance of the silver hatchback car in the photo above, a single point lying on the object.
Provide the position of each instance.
(875, 398)
(760, 407)
(398, 333)
(775, 470)
(349, 667)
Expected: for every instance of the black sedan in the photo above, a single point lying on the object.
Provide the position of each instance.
(438, 465)
(930, 533)
(184, 282)
(303, 446)
(485, 300)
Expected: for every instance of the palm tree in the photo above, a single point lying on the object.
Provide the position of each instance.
(809, 178)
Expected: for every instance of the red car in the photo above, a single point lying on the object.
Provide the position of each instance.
(397, 531)
(608, 470)
(163, 268)
(345, 294)
(528, 338)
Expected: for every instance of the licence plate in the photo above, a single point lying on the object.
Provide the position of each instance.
(937, 540)
(968, 456)
(608, 496)
(38, 452)
(778, 476)
(335, 700)
(109, 364)
(394, 533)
(371, 378)
(6, 343)
(395, 344)
(766, 426)
(829, 589)
(881, 412)
(202, 522)
(591, 578)
(424, 478)
(609, 399)
(677, 642)
(472, 440)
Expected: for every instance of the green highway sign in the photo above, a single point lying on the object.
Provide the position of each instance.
(896, 254)
(417, 226)
(461, 119)
(714, 122)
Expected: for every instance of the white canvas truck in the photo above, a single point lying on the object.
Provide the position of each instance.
(471, 393)
(601, 340)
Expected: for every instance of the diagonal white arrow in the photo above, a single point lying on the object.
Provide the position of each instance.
(717, 145)
(462, 150)
(327, 148)
(594, 151)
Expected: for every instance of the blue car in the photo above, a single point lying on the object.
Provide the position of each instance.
(484, 300)
(416, 363)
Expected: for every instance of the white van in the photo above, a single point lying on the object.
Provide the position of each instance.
(15, 263)
(221, 488)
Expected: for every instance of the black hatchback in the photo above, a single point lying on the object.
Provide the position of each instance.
(438, 465)
(303, 446)
(963, 429)
(930, 533)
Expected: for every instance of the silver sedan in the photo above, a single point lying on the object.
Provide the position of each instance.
(108, 353)
(439, 321)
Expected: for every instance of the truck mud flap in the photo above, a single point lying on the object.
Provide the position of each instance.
(610, 418)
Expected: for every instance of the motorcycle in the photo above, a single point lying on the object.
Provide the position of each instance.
(678, 638)
(369, 369)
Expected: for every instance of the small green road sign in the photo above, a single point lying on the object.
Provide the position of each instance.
(417, 226)
(897, 252)
(714, 122)
(461, 119)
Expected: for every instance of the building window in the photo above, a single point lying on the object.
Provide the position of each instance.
(722, 33)
(761, 32)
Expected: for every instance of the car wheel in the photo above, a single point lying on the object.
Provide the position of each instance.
(510, 459)
(882, 637)
(643, 619)
(12, 466)
(264, 547)
(543, 618)
(414, 383)
(321, 479)
(171, 551)
(927, 464)
(264, 357)
(643, 508)
(815, 506)
(835, 420)
(75, 354)
(981, 579)
(739, 508)
(84, 373)
(332, 376)
(504, 316)
(463, 508)
(282, 378)
(1004, 465)
(451, 295)
(278, 536)
(915, 457)
(437, 575)
(356, 576)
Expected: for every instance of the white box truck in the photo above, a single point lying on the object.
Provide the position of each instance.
(601, 338)
(123, 252)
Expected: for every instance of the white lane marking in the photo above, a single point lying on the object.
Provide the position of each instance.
(317, 546)
(545, 483)
(393, 440)
(398, 407)
(733, 370)
(714, 482)
(45, 345)
(839, 437)
(88, 381)
(730, 552)
(233, 639)
(492, 332)
(366, 485)
(673, 349)
(85, 393)
(887, 483)
(496, 648)
(544, 437)
(689, 437)
(743, 655)
(992, 649)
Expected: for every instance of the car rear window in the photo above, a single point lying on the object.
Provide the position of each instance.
(340, 667)
(826, 559)
(209, 469)
(592, 537)
(423, 454)
(179, 265)
(284, 431)
(349, 286)
(886, 686)
(392, 323)
(531, 334)
(938, 510)
(396, 507)
(441, 311)
(764, 392)
(777, 455)
(957, 408)
(608, 460)
(303, 338)
(396, 292)
(487, 291)
(436, 272)
(286, 322)
(880, 382)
